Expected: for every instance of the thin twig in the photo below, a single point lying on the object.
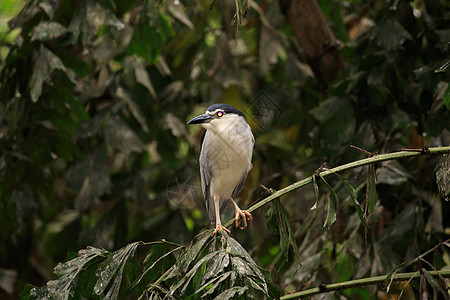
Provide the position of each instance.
(351, 165)
(367, 153)
(361, 282)
(423, 150)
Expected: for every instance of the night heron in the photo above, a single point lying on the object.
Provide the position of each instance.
(225, 160)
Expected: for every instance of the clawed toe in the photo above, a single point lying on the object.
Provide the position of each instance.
(219, 229)
(245, 216)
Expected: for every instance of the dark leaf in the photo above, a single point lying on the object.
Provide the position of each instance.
(110, 272)
(47, 30)
(157, 261)
(216, 280)
(433, 282)
(69, 272)
(46, 62)
(191, 254)
(332, 202)
(120, 136)
(278, 221)
(390, 35)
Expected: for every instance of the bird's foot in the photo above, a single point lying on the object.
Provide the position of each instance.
(219, 228)
(245, 216)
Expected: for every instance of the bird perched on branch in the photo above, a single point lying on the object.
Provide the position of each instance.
(225, 160)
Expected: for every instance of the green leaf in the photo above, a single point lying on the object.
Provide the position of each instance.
(143, 42)
(109, 274)
(332, 202)
(351, 192)
(184, 282)
(217, 280)
(372, 189)
(216, 267)
(192, 253)
(156, 263)
(278, 221)
(234, 248)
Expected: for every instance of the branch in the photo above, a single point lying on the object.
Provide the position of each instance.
(352, 165)
(362, 282)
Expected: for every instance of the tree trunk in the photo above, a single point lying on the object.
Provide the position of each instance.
(315, 37)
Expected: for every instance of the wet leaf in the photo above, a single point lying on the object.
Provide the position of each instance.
(192, 253)
(68, 273)
(110, 273)
(216, 267)
(187, 278)
(216, 280)
(228, 294)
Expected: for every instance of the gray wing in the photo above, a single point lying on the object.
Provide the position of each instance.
(238, 188)
(205, 177)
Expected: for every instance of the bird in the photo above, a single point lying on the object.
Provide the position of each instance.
(225, 160)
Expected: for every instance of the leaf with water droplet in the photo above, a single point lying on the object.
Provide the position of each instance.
(111, 268)
(184, 282)
(191, 254)
(216, 280)
(69, 272)
(216, 266)
(228, 294)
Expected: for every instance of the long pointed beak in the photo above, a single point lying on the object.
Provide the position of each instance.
(205, 118)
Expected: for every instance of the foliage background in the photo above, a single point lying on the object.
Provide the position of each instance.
(94, 96)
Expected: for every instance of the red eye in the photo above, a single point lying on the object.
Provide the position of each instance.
(219, 114)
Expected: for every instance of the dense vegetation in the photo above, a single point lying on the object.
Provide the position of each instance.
(99, 187)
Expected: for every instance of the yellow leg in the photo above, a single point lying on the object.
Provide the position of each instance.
(219, 226)
(241, 213)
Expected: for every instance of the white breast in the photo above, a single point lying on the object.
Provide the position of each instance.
(229, 154)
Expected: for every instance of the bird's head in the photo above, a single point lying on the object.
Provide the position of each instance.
(218, 116)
